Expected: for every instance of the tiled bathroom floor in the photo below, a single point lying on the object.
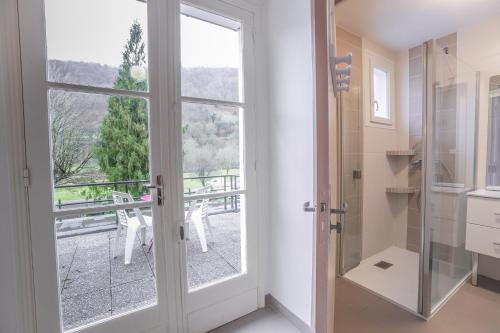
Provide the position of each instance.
(470, 310)
(398, 283)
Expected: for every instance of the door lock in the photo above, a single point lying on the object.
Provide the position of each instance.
(336, 226)
(159, 189)
(322, 207)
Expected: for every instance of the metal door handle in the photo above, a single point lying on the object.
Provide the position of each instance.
(339, 211)
(308, 208)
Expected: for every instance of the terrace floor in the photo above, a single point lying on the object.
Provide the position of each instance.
(95, 285)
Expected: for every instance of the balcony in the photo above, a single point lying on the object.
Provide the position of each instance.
(95, 282)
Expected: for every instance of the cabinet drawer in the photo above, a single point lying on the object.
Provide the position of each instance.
(484, 240)
(483, 211)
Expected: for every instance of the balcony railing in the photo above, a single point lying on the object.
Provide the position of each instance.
(220, 184)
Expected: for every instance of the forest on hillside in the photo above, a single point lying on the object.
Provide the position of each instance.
(210, 134)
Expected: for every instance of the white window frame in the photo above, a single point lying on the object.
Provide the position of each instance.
(375, 61)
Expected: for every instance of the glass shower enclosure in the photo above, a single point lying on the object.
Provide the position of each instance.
(449, 172)
(442, 141)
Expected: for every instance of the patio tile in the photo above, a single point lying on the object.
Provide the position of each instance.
(93, 272)
(66, 245)
(133, 295)
(79, 283)
(64, 262)
(209, 267)
(223, 258)
(137, 269)
(121, 273)
(86, 308)
(93, 240)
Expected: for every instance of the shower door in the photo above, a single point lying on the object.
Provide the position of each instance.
(449, 170)
(349, 122)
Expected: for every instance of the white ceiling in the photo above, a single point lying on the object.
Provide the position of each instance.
(402, 24)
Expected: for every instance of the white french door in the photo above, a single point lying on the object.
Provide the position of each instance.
(140, 131)
(96, 143)
(216, 94)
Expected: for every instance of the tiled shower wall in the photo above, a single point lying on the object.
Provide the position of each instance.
(416, 76)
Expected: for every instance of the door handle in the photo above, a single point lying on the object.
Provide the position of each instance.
(307, 207)
(340, 211)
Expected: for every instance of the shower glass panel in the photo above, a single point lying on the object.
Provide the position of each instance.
(493, 177)
(350, 119)
(450, 167)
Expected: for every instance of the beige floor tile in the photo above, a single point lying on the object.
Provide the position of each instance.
(470, 310)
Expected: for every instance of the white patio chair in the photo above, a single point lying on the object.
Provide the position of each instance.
(134, 223)
(198, 215)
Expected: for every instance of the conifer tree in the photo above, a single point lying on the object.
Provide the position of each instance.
(122, 149)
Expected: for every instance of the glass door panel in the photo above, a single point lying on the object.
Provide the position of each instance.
(350, 120)
(450, 167)
(86, 39)
(210, 55)
(214, 209)
(217, 129)
(100, 157)
(92, 140)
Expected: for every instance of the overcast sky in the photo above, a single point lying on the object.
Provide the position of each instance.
(96, 31)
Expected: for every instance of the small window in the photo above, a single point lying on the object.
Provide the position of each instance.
(381, 91)
(381, 94)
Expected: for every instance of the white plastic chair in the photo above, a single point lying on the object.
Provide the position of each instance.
(133, 223)
(198, 215)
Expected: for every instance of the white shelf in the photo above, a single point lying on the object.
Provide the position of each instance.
(401, 190)
(408, 152)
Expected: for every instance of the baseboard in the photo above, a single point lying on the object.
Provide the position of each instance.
(274, 304)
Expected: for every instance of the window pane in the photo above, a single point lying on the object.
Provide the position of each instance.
(90, 43)
(95, 282)
(380, 94)
(99, 144)
(211, 56)
(215, 227)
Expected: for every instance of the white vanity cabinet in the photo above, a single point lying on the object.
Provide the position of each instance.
(483, 226)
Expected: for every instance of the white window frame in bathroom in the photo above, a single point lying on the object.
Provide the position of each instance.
(375, 61)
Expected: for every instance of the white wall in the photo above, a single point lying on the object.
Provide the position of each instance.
(291, 154)
(384, 216)
(479, 50)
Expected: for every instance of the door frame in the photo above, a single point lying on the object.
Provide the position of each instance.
(325, 189)
(21, 317)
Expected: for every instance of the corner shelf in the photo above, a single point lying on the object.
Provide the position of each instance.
(409, 152)
(401, 190)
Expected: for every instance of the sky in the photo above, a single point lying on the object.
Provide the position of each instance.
(95, 31)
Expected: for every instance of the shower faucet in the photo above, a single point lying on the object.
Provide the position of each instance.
(416, 162)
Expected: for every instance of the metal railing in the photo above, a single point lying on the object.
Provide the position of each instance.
(227, 183)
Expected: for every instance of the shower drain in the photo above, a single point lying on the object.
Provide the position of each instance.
(383, 264)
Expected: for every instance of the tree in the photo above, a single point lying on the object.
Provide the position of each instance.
(210, 139)
(71, 139)
(122, 149)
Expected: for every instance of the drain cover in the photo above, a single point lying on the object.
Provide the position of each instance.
(383, 264)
